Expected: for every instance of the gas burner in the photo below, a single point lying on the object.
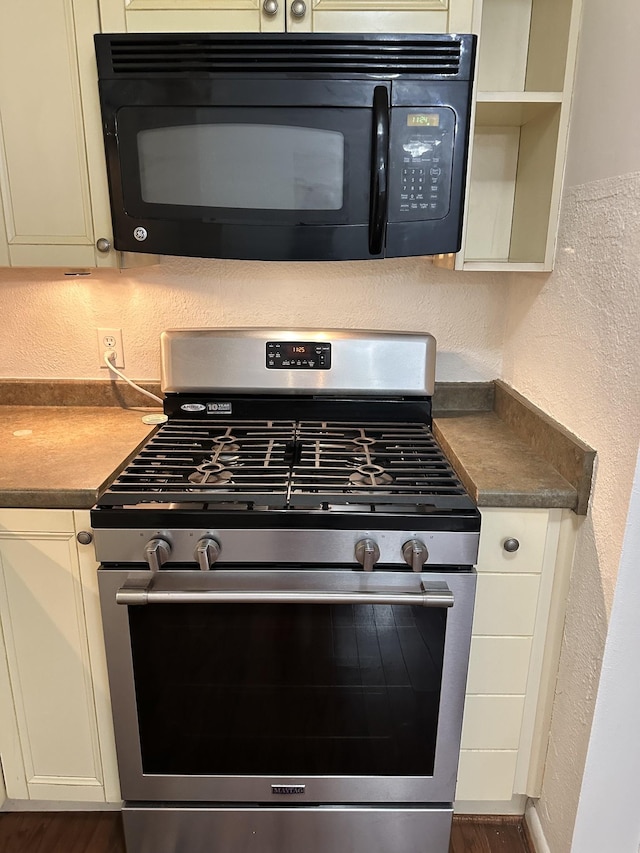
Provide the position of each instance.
(226, 443)
(211, 473)
(370, 475)
(358, 461)
(363, 441)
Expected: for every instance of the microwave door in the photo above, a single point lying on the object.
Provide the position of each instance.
(379, 170)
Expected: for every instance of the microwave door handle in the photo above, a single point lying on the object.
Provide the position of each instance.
(379, 170)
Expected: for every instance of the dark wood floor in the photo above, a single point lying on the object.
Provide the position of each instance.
(101, 832)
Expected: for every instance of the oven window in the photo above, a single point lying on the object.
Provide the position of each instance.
(282, 168)
(287, 689)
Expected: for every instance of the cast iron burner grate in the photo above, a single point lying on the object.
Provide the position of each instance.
(209, 461)
(290, 464)
(373, 463)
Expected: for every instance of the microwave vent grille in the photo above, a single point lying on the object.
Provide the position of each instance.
(178, 55)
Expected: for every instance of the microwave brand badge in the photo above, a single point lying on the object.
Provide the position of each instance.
(288, 789)
(140, 234)
(193, 407)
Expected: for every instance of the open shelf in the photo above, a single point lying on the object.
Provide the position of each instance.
(524, 45)
(525, 73)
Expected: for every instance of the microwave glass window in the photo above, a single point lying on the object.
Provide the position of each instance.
(250, 166)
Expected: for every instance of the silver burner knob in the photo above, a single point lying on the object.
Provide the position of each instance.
(156, 553)
(367, 554)
(206, 553)
(415, 554)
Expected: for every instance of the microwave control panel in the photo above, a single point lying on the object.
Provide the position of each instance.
(421, 157)
(298, 355)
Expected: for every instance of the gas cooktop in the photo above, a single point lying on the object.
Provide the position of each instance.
(290, 464)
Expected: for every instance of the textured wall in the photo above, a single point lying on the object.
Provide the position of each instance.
(54, 318)
(573, 348)
(608, 816)
(609, 69)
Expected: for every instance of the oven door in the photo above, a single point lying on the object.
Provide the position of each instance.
(287, 687)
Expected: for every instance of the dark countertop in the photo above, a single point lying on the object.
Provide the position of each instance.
(506, 452)
(63, 456)
(496, 467)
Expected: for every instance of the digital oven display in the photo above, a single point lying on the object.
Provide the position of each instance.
(298, 355)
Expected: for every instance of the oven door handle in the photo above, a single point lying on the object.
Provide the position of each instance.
(440, 596)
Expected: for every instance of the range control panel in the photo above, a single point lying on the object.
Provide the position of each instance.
(298, 355)
(421, 156)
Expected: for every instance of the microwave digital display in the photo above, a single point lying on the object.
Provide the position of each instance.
(423, 120)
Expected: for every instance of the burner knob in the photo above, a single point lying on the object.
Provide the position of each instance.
(206, 553)
(367, 554)
(415, 554)
(156, 553)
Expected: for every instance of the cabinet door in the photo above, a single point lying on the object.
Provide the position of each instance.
(504, 628)
(376, 16)
(48, 739)
(364, 16)
(44, 175)
(175, 16)
(515, 647)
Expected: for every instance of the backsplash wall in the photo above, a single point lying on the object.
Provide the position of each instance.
(50, 319)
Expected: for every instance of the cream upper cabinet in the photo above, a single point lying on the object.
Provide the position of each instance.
(52, 176)
(524, 80)
(56, 740)
(374, 16)
(515, 646)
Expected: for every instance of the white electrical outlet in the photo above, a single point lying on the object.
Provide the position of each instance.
(110, 341)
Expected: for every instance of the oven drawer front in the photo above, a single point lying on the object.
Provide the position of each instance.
(336, 686)
(286, 830)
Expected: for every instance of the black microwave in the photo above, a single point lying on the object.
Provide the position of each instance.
(286, 147)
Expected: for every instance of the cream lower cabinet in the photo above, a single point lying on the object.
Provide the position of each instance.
(363, 16)
(56, 739)
(53, 189)
(517, 630)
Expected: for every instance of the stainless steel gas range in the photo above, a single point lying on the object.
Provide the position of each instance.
(287, 591)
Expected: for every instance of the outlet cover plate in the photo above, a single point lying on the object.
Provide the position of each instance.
(110, 340)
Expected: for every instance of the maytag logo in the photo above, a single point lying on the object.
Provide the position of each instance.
(288, 789)
(193, 407)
